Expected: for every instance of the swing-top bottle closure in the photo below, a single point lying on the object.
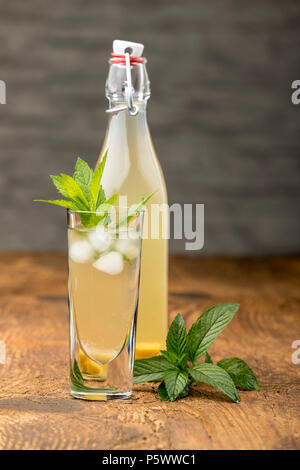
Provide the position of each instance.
(127, 78)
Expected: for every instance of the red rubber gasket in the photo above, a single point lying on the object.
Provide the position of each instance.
(120, 59)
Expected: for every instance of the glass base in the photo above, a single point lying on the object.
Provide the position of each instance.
(98, 378)
(100, 396)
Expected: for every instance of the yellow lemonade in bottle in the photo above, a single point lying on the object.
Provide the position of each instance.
(133, 171)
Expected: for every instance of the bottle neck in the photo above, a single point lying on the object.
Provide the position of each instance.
(130, 151)
(134, 127)
(116, 80)
(142, 105)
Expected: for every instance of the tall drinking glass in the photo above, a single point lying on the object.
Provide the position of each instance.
(104, 271)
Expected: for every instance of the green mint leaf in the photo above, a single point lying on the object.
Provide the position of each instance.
(101, 197)
(90, 220)
(170, 356)
(208, 359)
(134, 208)
(241, 374)
(97, 192)
(151, 369)
(162, 392)
(83, 176)
(125, 258)
(104, 208)
(76, 375)
(174, 359)
(206, 329)
(69, 188)
(177, 337)
(57, 181)
(59, 202)
(186, 389)
(78, 381)
(217, 377)
(108, 203)
(175, 382)
(86, 194)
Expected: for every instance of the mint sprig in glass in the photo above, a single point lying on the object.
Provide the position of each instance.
(104, 244)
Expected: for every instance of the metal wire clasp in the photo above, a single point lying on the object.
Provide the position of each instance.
(131, 108)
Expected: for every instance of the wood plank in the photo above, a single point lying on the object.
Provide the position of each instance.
(37, 412)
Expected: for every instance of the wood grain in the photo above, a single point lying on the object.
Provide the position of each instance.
(37, 412)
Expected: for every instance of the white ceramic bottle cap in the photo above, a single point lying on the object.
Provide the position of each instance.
(134, 48)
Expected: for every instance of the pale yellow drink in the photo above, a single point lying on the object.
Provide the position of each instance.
(103, 276)
(132, 170)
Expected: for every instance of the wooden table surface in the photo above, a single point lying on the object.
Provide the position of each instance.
(37, 412)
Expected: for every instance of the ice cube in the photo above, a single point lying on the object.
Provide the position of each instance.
(100, 238)
(134, 234)
(81, 251)
(126, 233)
(111, 263)
(123, 233)
(132, 251)
(127, 248)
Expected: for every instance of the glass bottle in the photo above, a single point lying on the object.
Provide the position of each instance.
(133, 170)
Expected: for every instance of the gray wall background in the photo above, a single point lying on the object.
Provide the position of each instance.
(221, 116)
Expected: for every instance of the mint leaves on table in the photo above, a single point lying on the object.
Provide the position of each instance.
(177, 367)
(208, 326)
(241, 374)
(83, 192)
